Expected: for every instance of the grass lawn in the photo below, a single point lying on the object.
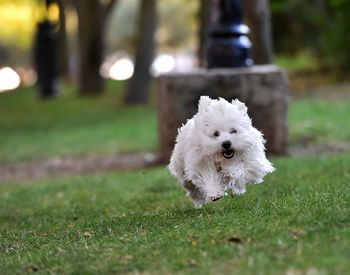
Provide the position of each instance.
(33, 129)
(319, 120)
(296, 222)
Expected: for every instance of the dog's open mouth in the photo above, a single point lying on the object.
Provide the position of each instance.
(228, 154)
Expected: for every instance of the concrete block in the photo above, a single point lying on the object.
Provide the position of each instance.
(264, 89)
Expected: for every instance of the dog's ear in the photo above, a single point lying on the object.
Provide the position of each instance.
(204, 103)
(240, 105)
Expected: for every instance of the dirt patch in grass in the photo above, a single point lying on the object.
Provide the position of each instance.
(317, 150)
(61, 166)
(319, 86)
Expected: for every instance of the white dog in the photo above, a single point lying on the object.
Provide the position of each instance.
(218, 149)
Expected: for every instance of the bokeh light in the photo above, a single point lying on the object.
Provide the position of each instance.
(9, 79)
(122, 69)
(163, 63)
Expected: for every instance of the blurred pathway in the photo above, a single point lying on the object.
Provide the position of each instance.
(61, 166)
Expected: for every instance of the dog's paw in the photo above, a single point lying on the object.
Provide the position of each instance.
(215, 198)
(198, 205)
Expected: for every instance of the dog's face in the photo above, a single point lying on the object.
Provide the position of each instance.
(222, 127)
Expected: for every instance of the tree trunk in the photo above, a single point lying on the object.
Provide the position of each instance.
(92, 16)
(62, 45)
(138, 87)
(258, 16)
(204, 22)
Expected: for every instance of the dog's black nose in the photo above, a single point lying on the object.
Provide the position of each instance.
(226, 144)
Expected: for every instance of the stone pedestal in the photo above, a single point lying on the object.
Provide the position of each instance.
(264, 89)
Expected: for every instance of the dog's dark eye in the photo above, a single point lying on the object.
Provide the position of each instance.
(216, 134)
(233, 131)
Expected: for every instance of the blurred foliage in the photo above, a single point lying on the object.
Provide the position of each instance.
(177, 26)
(19, 19)
(122, 27)
(18, 22)
(319, 26)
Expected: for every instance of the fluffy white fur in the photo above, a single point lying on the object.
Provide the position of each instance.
(201, 163)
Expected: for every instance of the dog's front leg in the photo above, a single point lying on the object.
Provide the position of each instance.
(211, 185)
(236, 178)
(194, 193)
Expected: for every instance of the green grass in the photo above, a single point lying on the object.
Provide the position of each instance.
(298, 63)
(33, 129)
(298, 220)
(319, 120)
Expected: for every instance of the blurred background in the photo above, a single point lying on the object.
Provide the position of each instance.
(101, 57)
(308, 37)
(78, 94)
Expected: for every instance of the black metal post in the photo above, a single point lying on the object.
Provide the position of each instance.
(228, 45)
(45, 59)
